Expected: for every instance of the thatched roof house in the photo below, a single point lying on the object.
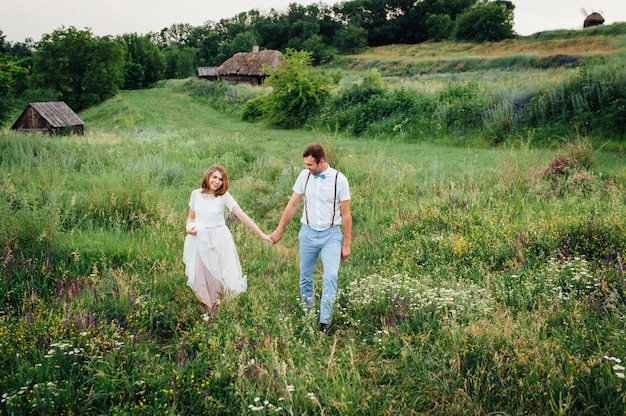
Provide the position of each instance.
(49, 117)
(245, 67)
(207, 72)
(594, 19)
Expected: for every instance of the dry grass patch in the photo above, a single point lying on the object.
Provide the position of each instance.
(449, 50)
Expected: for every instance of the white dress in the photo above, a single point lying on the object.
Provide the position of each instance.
(211, 261)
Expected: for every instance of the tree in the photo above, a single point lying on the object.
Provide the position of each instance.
(350, 39)
(82, 69)
(180, 62)
(273, 30)
(320, 51)
(145, 63)
(440, 27)
(208, 52)
(12, 76)
(297, 92)
(4, 45)
(487, 21)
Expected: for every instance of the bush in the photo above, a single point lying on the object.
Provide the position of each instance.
(297, 92)
(253, 109)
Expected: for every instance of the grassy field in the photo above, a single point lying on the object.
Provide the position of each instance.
(481, 281)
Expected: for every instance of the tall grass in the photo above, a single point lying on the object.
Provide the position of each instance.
(481, 281)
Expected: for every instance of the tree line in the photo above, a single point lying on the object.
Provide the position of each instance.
(83, 70)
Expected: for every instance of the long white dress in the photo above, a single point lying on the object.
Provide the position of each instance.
(211, 261)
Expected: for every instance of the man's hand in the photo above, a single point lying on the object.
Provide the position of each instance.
(276, 236)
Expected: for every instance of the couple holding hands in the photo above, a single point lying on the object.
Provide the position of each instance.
(211, 261)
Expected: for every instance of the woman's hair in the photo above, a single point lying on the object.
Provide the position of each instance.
(207, 175)
(315, 150)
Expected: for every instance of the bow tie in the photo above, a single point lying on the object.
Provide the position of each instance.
(319, 175)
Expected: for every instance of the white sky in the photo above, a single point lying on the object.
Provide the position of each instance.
(21, 19)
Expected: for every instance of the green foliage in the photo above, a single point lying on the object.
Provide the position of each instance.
(464, 283)
(592, 100)
(369, 108)
(208, 51)
(614, 29)
(486, 21)
(440, 27)
(350, 39)
(83, 69)
(9, 74)
(254, 109)
(180, 62)
(227, 98)
(145, 64)
(371, 85)
(241, 42)
(297, 92)
(461, 106)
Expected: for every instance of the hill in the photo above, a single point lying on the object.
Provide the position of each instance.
(546, 49)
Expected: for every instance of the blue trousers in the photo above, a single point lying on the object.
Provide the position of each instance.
(327, 245)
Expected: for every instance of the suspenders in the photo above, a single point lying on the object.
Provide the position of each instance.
(306, 211)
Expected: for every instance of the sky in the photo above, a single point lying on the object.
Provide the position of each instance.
(21, 19)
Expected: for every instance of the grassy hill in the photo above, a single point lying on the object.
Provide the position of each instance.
(594, 42)
(482, 280)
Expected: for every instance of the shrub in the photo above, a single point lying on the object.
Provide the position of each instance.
(297, 92)
(565, 174)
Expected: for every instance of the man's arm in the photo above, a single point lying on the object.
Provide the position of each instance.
(288, 214)
(346, 226)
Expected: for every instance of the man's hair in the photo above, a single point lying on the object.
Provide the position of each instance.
(315, 150)
(207, 175)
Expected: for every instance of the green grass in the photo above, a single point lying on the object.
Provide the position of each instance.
(481, 281)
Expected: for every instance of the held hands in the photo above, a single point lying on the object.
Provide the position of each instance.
(266, 237)
(276, 236)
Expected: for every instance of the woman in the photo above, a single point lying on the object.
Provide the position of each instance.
(211, 261)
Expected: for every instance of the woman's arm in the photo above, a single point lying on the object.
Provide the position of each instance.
(243, 217)
(189, 224)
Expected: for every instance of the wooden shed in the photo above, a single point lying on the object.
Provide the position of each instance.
(49, 117)
(245, 67)
(207, 72)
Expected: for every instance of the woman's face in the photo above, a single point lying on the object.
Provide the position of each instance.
(215, 181)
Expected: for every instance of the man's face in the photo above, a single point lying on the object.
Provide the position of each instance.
(312, 165)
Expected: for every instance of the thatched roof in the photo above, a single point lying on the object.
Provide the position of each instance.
(249, 63)
(594, 19)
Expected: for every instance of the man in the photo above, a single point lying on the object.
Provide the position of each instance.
(326, 206)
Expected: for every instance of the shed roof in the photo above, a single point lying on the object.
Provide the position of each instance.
(249, 63)
(57, 113)
(207, 71)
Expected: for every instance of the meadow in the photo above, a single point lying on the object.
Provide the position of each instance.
(482, 280)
